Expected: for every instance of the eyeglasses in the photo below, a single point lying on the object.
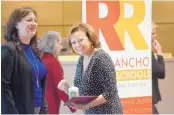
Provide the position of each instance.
(79, 40)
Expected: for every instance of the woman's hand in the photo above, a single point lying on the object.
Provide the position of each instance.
(63, 85)
(157, 47)
(77, 106)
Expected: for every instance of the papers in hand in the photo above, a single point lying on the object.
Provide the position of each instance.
(80, 100)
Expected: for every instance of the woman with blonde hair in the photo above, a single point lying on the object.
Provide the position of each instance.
(158, 69)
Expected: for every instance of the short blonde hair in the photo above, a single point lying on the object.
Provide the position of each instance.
(154, 25)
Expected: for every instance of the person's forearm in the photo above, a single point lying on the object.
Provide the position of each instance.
(98, 101)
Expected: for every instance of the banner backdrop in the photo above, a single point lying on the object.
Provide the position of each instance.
(123, 28)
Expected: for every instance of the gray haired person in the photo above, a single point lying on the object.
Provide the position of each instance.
(50, 45)
(50, 42)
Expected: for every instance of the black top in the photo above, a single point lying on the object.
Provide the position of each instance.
(99, 78)
(158, 72)
(17, 89)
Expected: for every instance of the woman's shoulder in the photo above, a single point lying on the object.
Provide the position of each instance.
(101, 54)
(10, 46)
(50, 59)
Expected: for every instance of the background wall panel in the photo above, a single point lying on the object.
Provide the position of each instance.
(165, 35)
(43, 29)
(163, 11)
(63, 14)
(66, 30)
(72, 11)
(49, 13)
(162, 14)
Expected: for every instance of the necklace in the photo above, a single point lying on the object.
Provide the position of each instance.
(36, 69)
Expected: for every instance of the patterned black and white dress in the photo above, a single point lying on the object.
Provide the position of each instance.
(99, 78)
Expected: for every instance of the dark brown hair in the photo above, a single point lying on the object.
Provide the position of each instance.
(89, 31)
(11, 34)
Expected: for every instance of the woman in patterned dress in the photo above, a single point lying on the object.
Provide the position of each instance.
(95, 73)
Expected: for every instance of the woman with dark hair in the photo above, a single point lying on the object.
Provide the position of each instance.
(23, 73)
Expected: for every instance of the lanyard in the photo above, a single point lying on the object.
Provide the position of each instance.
(36, 69)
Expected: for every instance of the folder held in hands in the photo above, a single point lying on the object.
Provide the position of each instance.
(80, 100)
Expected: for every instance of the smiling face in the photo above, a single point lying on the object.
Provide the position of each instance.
(27, 26)
(81, 43)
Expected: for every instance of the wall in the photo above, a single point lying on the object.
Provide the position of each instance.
(162, 14)
(166, 88)
(53, 15)
(61, 15)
